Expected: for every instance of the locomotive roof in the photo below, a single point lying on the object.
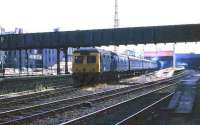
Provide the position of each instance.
(90, 50)
(105, 51)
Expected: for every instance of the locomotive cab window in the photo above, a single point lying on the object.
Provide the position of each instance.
(91, 59)
(78, 59)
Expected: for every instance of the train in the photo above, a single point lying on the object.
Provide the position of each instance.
(92, 64)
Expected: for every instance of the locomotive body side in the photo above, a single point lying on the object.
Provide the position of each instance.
(123, 63)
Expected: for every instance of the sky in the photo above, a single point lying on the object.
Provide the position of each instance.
(46, 15)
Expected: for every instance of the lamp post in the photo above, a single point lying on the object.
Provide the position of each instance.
(116, 20)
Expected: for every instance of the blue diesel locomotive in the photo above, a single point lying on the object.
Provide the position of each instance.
(96, 64)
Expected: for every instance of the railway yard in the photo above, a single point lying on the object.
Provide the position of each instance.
(68, 63)
(164, 97)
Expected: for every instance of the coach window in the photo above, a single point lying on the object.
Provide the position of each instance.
(91, 59)
(78, 59)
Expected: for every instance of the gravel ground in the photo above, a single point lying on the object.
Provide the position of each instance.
(69, 115)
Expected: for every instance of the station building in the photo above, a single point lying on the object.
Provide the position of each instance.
(165, 59)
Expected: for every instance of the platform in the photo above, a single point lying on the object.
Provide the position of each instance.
(184, 107)
(183, 99)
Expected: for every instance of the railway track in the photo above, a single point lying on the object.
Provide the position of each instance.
(117, 112)
(43, 110)
(23, 93)
(143, 112)
(41, 97)
(4, 102)
(11, 103)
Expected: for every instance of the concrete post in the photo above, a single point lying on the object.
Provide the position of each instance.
(58, 61)
(42, 56)
(66, 60)
(27, 61)
(20, 61)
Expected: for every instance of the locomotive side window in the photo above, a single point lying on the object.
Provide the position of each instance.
(78, 59)
(91, 59)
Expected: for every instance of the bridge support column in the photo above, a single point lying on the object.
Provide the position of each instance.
(58, 61)
(42, 63)
(20, 61)
(27, 61)
(66, 60)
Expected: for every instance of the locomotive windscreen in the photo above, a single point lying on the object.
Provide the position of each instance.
(78, 59)
(91, 59)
